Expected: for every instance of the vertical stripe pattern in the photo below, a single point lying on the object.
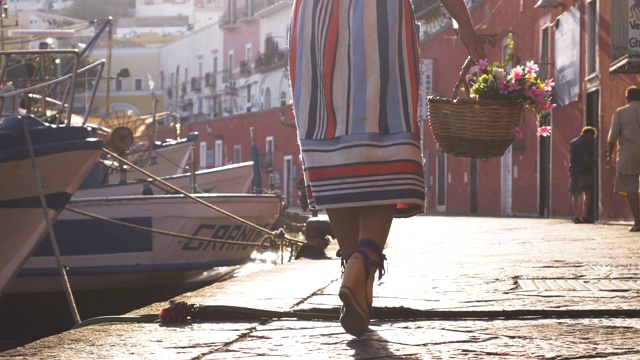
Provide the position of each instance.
(354, 77)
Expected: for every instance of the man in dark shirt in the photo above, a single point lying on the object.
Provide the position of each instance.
(581, 163)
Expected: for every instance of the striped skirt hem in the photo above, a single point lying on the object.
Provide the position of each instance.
(366, 170)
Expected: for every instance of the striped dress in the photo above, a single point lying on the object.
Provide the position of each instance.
(354, 77)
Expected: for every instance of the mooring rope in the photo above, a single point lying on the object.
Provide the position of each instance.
(52, 235)
(183, 313)
(279, 236)
(162, 232)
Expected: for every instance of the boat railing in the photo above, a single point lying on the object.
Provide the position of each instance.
(26, 87)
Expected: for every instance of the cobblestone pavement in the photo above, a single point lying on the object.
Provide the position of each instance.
(477, 288)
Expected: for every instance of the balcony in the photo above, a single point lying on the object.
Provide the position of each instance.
(245, 68)
(195, 84)
(271, 60)
(210, 80)
(183, 89)
(245, 14)
(226, 75)
(230, 88)
(267, 7)
(227, 21)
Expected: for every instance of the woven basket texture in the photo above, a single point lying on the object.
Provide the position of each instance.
(473, 128)
(470, 127)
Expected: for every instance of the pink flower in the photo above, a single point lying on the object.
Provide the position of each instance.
(521, 85)
(548, 85)
(531, 68)
(544, 131)
(513, 87)
(517, 72)
(482, 64)
(518, 132)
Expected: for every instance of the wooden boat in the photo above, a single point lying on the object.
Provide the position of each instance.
(228, 179)
(63, 153)
(100, 254)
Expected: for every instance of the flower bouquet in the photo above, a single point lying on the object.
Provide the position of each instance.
(484, 124)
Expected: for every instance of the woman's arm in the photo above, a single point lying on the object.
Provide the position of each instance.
(468, 36)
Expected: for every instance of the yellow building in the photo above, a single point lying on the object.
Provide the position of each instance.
(132, 81)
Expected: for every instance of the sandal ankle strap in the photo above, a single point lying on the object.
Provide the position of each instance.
(343, 260)
(371, 245)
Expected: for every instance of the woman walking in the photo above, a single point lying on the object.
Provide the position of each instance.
(354, 77)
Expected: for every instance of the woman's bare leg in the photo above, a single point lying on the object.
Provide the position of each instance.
(346, 226)
(351, 225)
(375, 223)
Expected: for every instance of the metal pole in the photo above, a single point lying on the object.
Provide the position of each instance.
(192, 170)
(2, 31)
(109, 46)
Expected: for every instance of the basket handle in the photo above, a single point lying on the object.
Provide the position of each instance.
(462, 80)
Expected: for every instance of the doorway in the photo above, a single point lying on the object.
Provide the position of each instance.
(507, 181)
(544, 172)
(593, 119)
(441, 183)
(473, 186)
(288, 180)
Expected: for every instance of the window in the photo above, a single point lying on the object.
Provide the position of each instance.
(249, 96)
(203, 154)
(544, 53)
(237, 154)
(267, 98)
(137, 84)
(592, 36)
(210, 158)
(269, 151)
(283, 98)
(230, 67)
(507, 52)
(441, 184)
(118, 86)
(619, 29)
(218, 153)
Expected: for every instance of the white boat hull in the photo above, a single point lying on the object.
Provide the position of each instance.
(22, 220)
(168, 159)
(228, 179)
(101, 255)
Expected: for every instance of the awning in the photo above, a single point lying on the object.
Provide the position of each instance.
(625, 65)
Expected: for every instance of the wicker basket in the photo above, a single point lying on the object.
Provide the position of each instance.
(473, 128)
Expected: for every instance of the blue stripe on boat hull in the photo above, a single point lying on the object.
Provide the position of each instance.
(55, 201)
(46, 139)
(105, 238)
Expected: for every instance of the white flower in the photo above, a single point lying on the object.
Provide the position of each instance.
(499, 74)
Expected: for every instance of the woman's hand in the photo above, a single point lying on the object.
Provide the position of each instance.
(468, 36)
(472, 42)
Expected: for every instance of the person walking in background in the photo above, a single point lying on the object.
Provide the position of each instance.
(354, 73)
(581, 164)
(625, 132)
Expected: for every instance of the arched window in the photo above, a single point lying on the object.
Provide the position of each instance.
(267, 99)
